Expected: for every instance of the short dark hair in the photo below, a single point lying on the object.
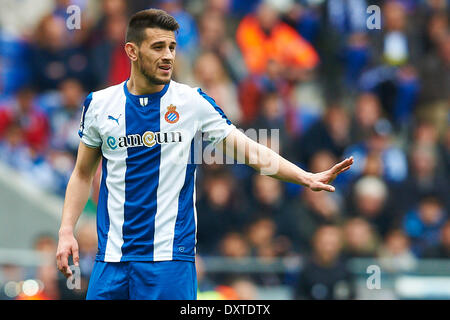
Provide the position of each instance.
(150, 18)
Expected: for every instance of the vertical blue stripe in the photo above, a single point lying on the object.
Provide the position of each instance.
(214, 104)
(184, 235)
(86, 105)
(102, 213)
(141, 181)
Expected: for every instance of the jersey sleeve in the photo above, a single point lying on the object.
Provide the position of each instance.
(213, 121)
(88, 131)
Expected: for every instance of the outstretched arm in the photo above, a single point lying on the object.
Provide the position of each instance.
(268, 162)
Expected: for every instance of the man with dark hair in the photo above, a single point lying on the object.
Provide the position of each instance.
(143, 130)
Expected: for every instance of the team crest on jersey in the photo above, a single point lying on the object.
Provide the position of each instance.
(172, 115)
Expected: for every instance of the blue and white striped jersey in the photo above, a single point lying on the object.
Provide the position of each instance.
(146, 207)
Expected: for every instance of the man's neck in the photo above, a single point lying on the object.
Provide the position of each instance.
(139, 85)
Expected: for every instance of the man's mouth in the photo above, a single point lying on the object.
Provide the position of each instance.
(165, 67)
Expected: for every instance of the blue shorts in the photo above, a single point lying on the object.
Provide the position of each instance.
(136, 280)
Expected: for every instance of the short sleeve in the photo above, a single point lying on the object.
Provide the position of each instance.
(214, 123)
(88, 131)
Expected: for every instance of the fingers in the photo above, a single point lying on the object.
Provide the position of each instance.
(345, 169)
(62, 260)
(323, 187)
(342, 166)
(63, 264)
(76, 257)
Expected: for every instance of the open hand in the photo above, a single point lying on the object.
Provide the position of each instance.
(321, 181)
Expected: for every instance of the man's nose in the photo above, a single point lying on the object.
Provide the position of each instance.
(168, 55)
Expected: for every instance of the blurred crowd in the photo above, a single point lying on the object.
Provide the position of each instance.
(310, 68)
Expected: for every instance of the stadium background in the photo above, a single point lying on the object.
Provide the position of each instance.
(310, 68)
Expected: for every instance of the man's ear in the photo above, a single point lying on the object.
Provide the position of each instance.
(132, 51)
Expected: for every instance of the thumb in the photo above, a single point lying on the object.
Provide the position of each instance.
(323, 186)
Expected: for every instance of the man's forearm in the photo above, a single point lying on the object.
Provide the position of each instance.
(265, 160)
(77, 194)
(268, 162)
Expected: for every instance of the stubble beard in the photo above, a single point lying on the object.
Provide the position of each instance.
(151, 79)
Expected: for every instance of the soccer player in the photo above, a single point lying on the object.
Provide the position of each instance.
(143, 131)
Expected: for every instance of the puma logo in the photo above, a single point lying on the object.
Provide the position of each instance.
(115, 119)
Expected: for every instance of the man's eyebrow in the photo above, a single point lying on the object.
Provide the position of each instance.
(162, 42)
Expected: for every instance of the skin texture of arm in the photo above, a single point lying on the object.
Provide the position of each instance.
(77, 194)
(268, 162)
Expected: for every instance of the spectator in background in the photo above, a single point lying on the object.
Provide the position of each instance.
(219, 211)
(423, 224)
(367, 113)
(347, 17)
(435, 31)
(272, 116)
(14, 151)
(305, 18)
(442, 249)
(396, 255)
(213, 37)
(53, 58)
(253, 88)
(380, 145)
(331, 133)
(109, 10)
(425, 177)
(435, 73)
(267, 195)
(303, 216)
(15, 70)
(31, 165)
(262, 36)
(65, 118)
(394, 77)
(24, 139)
(212, 78)
(370, 202)
(267, 245)
(356, 57)
(220, 6)
(396, 44)
(109, 61)
(342, 43)
(32, 120)
(325, 275)
(264, 240)
(360, 240)
(234, 246)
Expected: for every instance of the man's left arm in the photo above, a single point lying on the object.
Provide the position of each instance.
(268, 162)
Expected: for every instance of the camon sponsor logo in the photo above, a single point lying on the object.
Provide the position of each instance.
(147, 139)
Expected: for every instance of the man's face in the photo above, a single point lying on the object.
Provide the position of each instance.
(156, 55)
